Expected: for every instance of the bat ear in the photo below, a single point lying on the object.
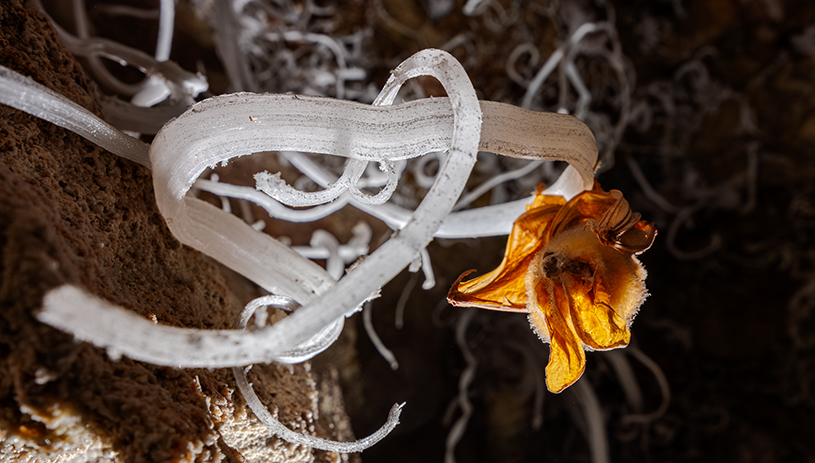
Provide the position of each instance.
(638, 238)
(622, 229)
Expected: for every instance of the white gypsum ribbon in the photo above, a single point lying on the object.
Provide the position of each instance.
(28, 96)
(412, 129)
(240, 124)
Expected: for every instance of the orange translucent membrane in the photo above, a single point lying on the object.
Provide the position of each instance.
(572, 267)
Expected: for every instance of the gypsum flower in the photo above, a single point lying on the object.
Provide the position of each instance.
(571, 266)
(238, 245)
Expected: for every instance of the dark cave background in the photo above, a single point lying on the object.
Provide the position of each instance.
(729, 320)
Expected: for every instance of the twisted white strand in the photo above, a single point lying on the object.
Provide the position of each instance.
(269, 420)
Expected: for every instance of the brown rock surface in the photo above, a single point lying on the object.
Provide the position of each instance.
(72, 213)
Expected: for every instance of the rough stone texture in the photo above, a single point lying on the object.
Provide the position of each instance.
(72, 213)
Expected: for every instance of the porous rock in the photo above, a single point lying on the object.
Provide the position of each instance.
(71, 212)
